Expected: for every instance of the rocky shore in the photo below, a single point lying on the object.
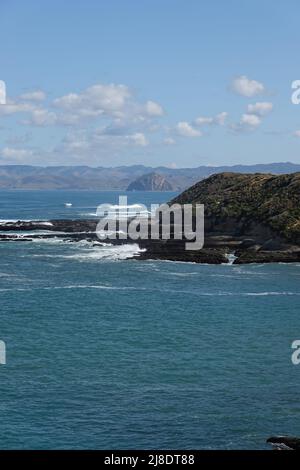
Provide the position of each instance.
(249, 218)
(216, 250)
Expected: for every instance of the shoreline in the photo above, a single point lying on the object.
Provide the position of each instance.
(216, 250)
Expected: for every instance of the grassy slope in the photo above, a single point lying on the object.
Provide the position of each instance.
(270, 200)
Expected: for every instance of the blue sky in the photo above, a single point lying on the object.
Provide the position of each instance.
(158, 82)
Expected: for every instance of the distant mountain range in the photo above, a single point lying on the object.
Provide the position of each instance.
(119, 178)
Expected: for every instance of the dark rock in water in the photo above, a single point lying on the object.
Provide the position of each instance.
(150, 182)
(174, 250)
(284, 442)
(248, 257)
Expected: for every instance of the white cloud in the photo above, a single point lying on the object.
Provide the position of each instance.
(104, 98)
(221, 118)
(36, 95)
(10, 153)
(250, 120)
(154, 109)
(260, 108)
(246, 87)
(200, 121)
(138, 139)
(107, 101)
(42, 117)
(2, 92)
(184, 129)
(12, 107)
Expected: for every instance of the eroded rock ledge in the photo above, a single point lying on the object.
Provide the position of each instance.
(262, 249)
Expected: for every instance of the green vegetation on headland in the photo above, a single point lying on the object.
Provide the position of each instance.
(245, 204)
(255, 216)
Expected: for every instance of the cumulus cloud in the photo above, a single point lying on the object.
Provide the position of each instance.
(35, 95)
(105, 98)
(113, 104)
(250, 120)
(244, 86)
(253, 117)
(219, 119)
(107, 119)
(184, 129)
(138, 139)
(260, 108)
(107, 101)
(154, 109)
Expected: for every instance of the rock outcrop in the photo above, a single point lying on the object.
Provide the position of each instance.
(260, 211)
(150, 182)
(284, 442)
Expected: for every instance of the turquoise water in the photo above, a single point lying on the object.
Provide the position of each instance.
(104, 352)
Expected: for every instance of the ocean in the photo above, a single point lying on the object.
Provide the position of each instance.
(107, 352)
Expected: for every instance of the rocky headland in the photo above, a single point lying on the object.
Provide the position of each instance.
(150, 182)
(253, 217)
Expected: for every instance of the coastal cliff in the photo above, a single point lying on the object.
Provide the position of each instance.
(260, 213)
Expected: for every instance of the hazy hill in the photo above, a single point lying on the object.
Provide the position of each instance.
(118, 178)
(150, 182)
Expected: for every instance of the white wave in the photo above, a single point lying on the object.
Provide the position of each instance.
(231, 258)
(120, 211)
(35, 233)
(98, 286)
(33, 221)
(108, 252)
(270, 293)
(85, 250)
(63, 241)
(88, 214)
(43, 223)
(167, 273)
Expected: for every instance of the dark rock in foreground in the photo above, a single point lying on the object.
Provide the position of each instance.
(284, 442)
(174, 250)
(216, 248)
